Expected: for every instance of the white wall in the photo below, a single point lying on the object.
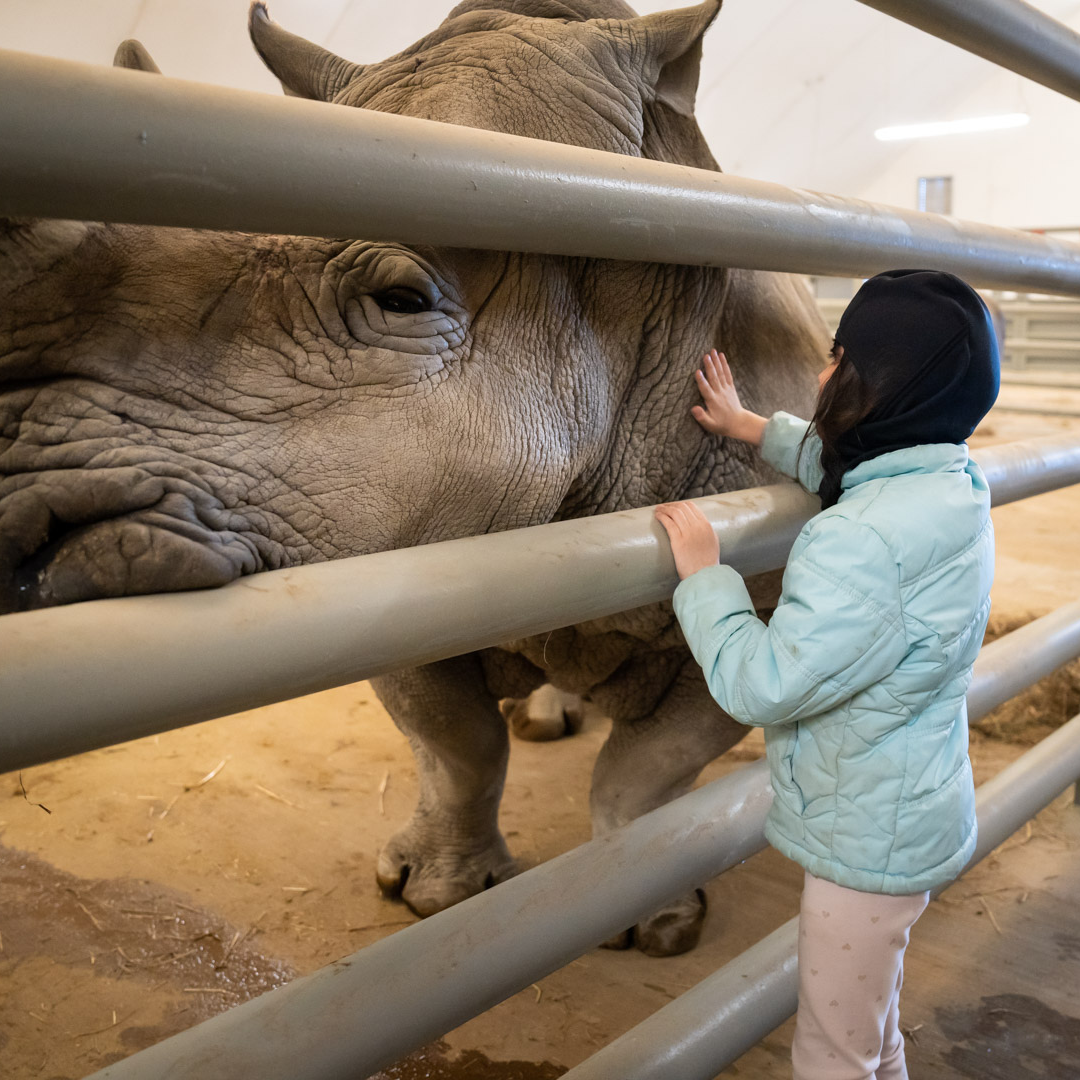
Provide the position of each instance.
(1024, 177)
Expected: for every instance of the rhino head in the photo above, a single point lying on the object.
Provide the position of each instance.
(179, 408)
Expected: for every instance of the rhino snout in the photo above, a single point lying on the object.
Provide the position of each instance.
(88, 535)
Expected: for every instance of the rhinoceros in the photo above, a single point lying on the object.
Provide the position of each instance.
(181, 407)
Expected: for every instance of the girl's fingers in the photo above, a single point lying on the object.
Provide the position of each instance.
(685, 511)
(718, 365)
(705, 386)
(713, 372)
(727, 369)
(666, 518)
(686, 515)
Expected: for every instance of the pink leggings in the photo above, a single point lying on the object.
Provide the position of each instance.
(851, 965)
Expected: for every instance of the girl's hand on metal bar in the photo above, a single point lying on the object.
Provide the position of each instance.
(693, 541)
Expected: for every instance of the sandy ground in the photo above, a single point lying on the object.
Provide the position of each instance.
(149, 885)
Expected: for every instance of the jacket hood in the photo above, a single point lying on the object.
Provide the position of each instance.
(923, 343)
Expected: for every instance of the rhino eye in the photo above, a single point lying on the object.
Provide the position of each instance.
(404, 301)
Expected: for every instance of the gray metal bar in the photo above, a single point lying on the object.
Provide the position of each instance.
(718, 1020)
(360, 1014)
(1013, 662)
(89, 675)
(97, 143)
(1007, 32)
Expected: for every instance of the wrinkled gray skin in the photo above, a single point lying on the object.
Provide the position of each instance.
(179, 408)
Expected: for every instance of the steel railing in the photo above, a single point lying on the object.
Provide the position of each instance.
(88, 675)
(104, 144)
(1009, 33)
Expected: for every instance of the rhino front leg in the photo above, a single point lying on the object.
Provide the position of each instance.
(648, 762)
(452, 847)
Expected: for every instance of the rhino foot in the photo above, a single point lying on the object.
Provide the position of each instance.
(429, 880)
(546, 714)
(670, 931)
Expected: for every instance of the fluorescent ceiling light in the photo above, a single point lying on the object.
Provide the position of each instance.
(951, 127)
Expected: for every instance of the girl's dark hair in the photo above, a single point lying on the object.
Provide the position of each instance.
(844, 402)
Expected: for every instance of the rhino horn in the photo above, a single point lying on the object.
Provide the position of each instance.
(304, 68)
(673, 46)
(132, 54)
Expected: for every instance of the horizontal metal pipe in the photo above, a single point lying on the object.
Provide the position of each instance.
(1029, 467)
(1007, 32)
(424, 981)
(89, 675)
(1010, 664)
(717, 1021)
(105, 144)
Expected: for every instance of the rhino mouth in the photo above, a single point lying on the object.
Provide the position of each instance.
(66, 541)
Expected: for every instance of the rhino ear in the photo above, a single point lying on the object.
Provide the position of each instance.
(672, 49)
(132, 54)
(305, 69)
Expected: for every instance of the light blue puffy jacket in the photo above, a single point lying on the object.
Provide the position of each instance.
(860, 677)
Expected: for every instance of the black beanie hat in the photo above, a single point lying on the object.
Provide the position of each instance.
(923, 343)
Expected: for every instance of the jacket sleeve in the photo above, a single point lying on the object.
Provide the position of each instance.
(837, 629)
(780, 446)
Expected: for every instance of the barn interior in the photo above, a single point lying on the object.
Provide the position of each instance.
(151, 885)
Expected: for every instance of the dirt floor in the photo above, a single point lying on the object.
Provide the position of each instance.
(150, 885)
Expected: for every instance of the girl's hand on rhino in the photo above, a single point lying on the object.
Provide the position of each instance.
(723, 413)
(693, 542)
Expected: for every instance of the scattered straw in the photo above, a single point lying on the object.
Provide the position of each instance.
(27, 797)
(379, 925)
(89, 915)
(301, 889)
(208, 777)
(990, 915)
(274, 795)
(382, 793)
(209, 990)
(237, 938)
(107, 1027)
(539, 992)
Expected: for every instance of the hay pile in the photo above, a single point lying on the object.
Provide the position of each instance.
(1042, 708)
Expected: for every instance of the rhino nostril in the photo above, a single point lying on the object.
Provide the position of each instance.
(28, 574)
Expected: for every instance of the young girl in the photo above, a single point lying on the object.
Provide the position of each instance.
(859, 679)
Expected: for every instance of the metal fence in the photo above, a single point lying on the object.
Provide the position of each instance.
(205, 157)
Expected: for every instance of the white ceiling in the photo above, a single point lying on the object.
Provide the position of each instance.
(791, 90)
